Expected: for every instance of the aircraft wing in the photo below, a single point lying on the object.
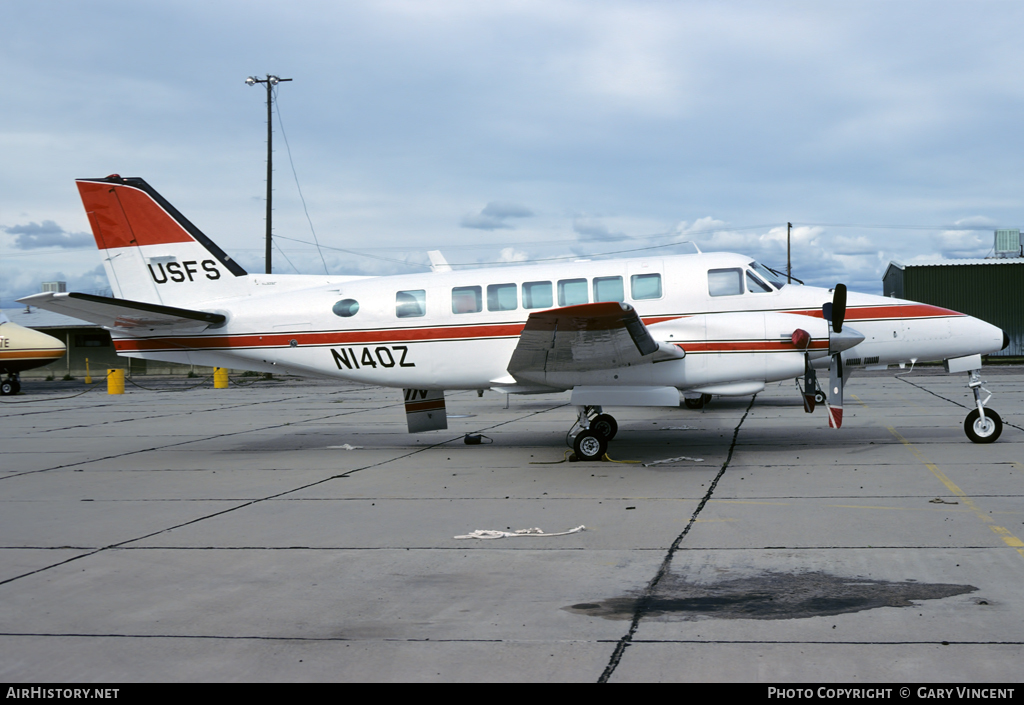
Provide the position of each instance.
(585, 338)
(123, 316)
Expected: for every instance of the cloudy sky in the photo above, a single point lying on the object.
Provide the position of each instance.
(514, 131)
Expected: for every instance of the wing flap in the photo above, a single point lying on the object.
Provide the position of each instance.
(584, 338)
(122, 315)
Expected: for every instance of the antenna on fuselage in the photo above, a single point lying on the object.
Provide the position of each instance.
(437, 262)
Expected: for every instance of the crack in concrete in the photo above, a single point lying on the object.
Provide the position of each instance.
(647, 597)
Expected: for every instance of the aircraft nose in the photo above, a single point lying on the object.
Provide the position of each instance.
(1006, 341)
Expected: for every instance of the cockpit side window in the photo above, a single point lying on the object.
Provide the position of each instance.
(776, 280)
(755, 285)
(725, 282)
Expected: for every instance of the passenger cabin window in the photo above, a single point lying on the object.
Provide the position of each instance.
(645, 286)
(725, 282)
(502, 297)
(608, 289)
(572, 292)
(467, 299)
(411, 304)
(755, 285)
(537, 295)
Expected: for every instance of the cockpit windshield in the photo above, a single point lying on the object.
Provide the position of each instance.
(776, 280)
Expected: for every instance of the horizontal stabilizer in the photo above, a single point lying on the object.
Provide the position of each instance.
(123, 316)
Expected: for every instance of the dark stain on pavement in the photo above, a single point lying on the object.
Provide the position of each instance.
(769, 595)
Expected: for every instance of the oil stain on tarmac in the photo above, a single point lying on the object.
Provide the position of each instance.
(768, 595)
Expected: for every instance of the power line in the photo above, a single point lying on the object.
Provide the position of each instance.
(288, 148)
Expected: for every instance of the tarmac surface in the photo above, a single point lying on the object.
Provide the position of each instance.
(291, 530)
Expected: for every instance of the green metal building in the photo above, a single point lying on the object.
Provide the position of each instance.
(989, 289)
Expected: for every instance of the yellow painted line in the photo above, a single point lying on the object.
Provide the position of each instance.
(739, 501)
(950, 485)
(859, 401)
(1008, 538)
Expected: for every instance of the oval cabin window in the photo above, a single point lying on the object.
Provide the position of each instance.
(346, 308)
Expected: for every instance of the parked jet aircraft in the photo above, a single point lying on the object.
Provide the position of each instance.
(23, 349)
(623, 332)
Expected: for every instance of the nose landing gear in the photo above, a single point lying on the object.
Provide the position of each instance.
(11, 385)
(981, 425)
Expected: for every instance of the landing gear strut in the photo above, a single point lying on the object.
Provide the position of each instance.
(981, 425)
(596, 429)
(11, 385)
(697, 402)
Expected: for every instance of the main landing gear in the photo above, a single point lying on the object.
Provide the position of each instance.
(11, 385)
(696, 402)
(981, 425)
(596, 429)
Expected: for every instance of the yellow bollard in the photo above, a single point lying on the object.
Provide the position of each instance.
(115, 381)
(88, 378)
(220, 378)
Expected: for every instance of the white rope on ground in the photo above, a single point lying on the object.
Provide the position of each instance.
(494, 534)
(672, 460)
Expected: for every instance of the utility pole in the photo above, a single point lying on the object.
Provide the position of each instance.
(271, 81)
(789, 263)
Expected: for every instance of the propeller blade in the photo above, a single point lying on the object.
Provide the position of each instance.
(838, 308)
(835, 392)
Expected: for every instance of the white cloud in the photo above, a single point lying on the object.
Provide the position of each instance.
(511, 254)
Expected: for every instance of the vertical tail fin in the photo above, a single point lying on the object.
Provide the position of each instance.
(151, 252)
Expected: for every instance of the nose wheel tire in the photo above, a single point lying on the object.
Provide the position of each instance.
(589, 445)
(8, 387)
(985, 430)
(819, 397)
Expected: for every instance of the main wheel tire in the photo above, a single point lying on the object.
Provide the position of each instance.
(697, 403)
(604, 425)
(986, 431)
(17, 386)
(589, 445)
(7, 387)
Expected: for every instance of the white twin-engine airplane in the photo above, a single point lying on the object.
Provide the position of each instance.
(623, 332)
